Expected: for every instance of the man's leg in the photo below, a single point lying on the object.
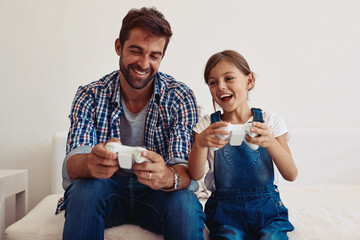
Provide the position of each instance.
(93, 204)
(176, 215)
(183, 216)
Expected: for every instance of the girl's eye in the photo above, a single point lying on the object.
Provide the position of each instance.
(211, 83)
(229, 78)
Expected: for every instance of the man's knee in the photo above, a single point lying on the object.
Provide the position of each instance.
(185, 204)
(186, 198)
(86, 190)
(184, 213)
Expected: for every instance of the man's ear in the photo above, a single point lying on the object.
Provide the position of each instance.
(118, 47)
(250, 81)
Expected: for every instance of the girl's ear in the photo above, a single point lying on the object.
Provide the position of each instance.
(250, 81)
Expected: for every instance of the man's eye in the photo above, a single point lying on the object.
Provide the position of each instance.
(211, 83)
(155, 57)
(136, 52)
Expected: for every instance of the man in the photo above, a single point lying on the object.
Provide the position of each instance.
(137, 106)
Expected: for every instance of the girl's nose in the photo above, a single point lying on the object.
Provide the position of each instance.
(221, 85)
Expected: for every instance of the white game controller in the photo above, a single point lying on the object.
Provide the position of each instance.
(238, 133)
(127, 155)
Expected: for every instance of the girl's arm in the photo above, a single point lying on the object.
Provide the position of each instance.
(281, 155)
(197, 160)
(277, 148)
(202, 142)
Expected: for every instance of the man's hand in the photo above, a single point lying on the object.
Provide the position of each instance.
(102, 163)
(99, 163)
(154, 174)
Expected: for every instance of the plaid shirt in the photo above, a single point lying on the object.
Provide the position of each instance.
(172, 114)
(95, 118)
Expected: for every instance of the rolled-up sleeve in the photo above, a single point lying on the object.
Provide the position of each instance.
(185, 118)
(65, 174)
(82, 130)
(176, 161)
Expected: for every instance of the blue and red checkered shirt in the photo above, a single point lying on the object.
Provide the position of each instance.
(172, 114)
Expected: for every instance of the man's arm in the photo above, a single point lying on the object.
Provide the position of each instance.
(85, 157)
(181, 137)
(157, 175)
(162, 177)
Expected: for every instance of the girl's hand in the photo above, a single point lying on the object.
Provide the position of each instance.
(265, 138)
(208, 138)
(204, 140)
(277, 148)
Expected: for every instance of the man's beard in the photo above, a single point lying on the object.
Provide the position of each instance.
(137, 83)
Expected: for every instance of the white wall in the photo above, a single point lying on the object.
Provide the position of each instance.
(306, 56)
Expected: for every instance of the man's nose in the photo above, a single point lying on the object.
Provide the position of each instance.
(144, 62)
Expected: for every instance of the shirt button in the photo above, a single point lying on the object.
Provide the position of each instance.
(280, 203)
(276, 190)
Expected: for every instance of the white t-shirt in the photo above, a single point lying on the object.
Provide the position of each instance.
(277, 128)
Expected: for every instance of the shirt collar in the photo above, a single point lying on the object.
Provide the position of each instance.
(157, 92)
(116, 94)
(115, 99)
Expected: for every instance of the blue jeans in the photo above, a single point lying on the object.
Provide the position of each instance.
(95, 204)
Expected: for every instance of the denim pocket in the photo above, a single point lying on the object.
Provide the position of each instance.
(282, 211)
(241, 158)
(280, 217)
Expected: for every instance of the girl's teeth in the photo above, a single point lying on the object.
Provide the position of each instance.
(225, 95)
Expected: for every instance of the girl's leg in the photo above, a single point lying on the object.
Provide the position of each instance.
(226, 219)
(276, 220)
(227, 232)
(277, 230)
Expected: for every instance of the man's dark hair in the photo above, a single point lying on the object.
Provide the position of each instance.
(148, 19)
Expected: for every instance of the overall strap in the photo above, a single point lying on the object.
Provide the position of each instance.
(257, 115)
(215, 117)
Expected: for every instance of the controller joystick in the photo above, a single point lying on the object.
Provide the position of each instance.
(237, 134)
(127, 155)
(251, 134)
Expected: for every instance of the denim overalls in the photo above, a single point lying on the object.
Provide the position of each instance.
(246, 204)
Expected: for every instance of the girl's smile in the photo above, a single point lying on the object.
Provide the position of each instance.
(225, 97)
(229, 86)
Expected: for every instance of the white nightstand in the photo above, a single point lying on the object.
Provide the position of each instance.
(13, 182)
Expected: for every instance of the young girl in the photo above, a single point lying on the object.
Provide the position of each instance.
(245, 203)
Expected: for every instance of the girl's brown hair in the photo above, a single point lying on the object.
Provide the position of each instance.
(229, 55)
